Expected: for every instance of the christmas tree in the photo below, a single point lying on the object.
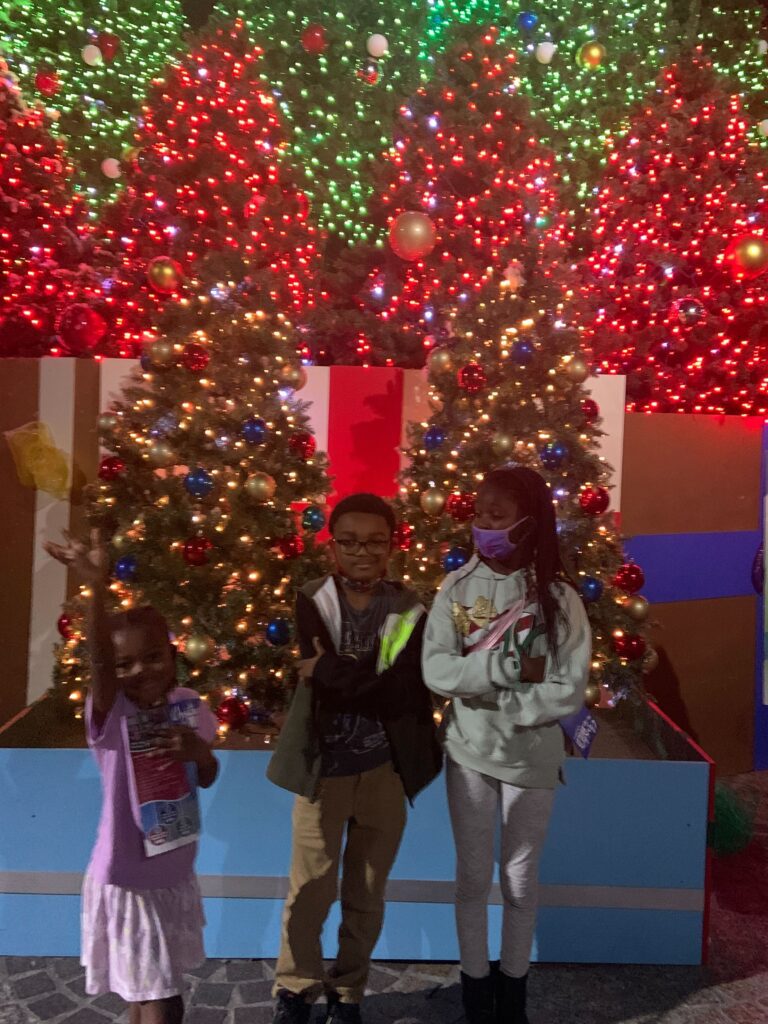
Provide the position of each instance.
(338, 75)
(506, 384)
(50, 298)
(210, 207)
(212, 494)
(90, 64)
(465, 178)
(675, 286)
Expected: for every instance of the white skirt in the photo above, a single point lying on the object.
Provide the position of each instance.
(139, 942)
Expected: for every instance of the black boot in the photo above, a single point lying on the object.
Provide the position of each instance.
(477, 997)
(510, 999)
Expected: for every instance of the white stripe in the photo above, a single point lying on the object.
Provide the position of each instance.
(610, 394)
(56, 408)
(113, 374)
(317, 390)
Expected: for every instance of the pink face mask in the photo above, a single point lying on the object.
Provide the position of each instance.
(496, 543)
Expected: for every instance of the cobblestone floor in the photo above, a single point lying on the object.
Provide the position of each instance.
(732, 989)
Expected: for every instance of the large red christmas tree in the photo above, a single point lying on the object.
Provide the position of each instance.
(676, 282)
(458, 191)
(209, 207)
(50, 299)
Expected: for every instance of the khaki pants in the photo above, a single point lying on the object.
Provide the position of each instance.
(370, 809)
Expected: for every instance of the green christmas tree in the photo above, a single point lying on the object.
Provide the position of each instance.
(90, 63)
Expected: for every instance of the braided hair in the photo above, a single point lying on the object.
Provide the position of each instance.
(531, 494)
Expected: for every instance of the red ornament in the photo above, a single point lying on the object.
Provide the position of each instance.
(195, 358)
(81, 328)
(590, 410)
(403, 536)
(303, 444)
(233, 711)
(47, 82)
(594, 500)
(196, 550)
(64, 626)
(460, 507)
(472, 378)
(110, 467)
(291, 546)
(369, 72)
(630, 578)
(109, 44)
(629, 646)
(314, 39)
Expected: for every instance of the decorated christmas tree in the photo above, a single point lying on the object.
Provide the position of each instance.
(50, 298)
(90, 63)
(211, 494)
(507, 385)
(210, 207)
(338, 74)
(457, 192)
(675, 288)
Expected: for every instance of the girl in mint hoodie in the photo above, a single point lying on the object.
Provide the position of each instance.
(509, 642)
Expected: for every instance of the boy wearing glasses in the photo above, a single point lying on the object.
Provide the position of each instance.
(358, 740)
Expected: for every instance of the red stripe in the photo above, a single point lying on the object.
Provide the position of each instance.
(364, 423)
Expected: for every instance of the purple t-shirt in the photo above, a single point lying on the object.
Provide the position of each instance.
(118, 857)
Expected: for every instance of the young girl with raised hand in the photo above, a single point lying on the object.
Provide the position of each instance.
(142, 916)
(509, 642)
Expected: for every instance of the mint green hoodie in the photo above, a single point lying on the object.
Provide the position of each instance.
(497, 724)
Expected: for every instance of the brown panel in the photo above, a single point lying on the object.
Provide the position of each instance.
(690, 474)
(85, 447)
(19, 398)
(706, 676)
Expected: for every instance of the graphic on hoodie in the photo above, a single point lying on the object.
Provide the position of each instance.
(475, 621)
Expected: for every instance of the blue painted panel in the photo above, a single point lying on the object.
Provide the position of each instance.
(635, 823)
(49, 926)
(695, 566)
(761, 647)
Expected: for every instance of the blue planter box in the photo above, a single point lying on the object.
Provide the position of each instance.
(624, 877)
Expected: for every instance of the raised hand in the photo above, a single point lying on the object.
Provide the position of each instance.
(90, 561)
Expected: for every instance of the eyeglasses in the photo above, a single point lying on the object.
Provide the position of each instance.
(353, 547)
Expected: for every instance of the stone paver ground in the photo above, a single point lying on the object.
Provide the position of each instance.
(731, 989)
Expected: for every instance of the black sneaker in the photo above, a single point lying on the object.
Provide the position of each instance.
(291, 1009)
(342, 1013)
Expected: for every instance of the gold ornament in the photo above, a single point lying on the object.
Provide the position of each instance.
(592, 55)
(650, 660)
(260, 487)
(107, 422)
(161, 453)
(577, 369)
(161, 352)
(432, 501)
(502, 444)
(294, 377)
(637, 607)
(592, 695)
(750, 253)
(198, 648)
(164, 274)
(412, 235)
(440, 361)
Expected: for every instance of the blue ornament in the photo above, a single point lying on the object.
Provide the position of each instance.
(522, 352)
(198, 482)
(455, 559)
(527, 21)
(434, 438)
(254, 430)
(145, 363)
(259, 715)
(313, 519)
(164, 426)
(591, 589)
(126, 568)
(278, 632)
(553, 455)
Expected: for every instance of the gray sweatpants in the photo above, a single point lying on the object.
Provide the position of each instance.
(475, 802)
